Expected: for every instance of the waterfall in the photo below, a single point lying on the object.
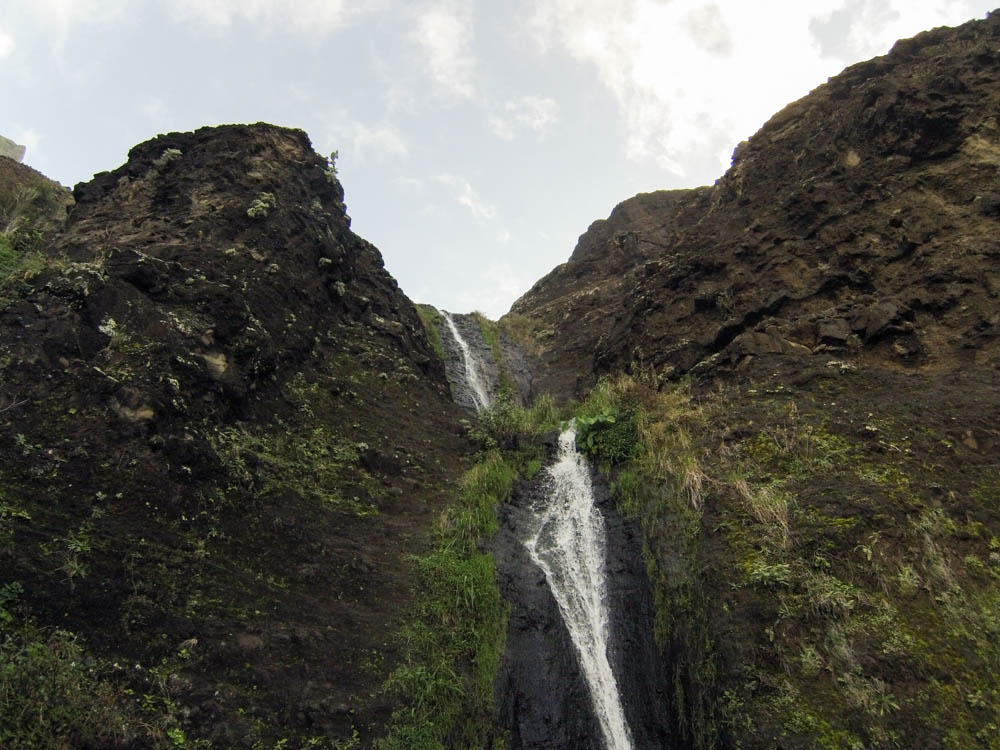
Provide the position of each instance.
(568, 544)
(480, 395)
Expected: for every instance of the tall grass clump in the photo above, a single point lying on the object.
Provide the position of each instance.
(525, 332)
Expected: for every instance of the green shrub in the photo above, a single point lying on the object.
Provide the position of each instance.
(9, 257)
(544, 414)
(609, 437)
(53, 695)
(503, 424)
(261, 205)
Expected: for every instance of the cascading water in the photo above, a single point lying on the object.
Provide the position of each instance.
(480, 395)
(568, 544)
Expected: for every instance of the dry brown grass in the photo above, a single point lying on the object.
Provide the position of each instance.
(767, 504)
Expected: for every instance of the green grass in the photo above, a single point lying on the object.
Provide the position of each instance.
(814, 555)
(456, 636)
(55, 695)
(525, 332)
(432, 320)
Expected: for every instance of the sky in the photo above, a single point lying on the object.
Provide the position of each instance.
(477, 139)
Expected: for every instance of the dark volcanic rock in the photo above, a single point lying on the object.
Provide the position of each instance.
(512, 366)
(865, 208)
(212, 390)
(543, 698)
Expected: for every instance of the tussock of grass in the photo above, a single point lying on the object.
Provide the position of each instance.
(767, 504)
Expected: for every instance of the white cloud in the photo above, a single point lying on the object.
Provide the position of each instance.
(6, 44)
(54, 20)
(467, 196)
(382, 139)
(410, 184)
(360, 140)
(155, 109)
(690, 76)
(307, 17)
(534, 113)
(876, 25)
(63, 14)
(443, 32)
(31, 140)
(498, 284)
(697, 77)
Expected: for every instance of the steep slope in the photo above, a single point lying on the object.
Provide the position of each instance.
(32, 207)
(861, 219)
(801, 405)
(222, 433)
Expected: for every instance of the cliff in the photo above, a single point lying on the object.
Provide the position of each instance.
(234, 505)
(223, 432)
(806, 354)
(860, 220)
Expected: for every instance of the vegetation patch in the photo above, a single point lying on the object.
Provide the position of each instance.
(526, 332)
(824, 575)
(456, 636)
(432, 320)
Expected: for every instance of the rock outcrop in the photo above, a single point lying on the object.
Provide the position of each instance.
(861, 220)
(209, 397)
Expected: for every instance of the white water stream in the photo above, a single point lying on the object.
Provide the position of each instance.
(568, 544)
(480, 395)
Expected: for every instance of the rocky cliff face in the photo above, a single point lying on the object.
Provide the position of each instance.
(818, 496)
(210, 396)
(543, 697)
(500, 363)
(860, 220)
(225, 432)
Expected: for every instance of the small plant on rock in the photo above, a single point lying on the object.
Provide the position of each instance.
(261, 205)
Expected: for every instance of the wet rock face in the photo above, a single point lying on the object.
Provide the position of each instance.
(513, 360)
(542, 696)
(489, 374)
(859, 221)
